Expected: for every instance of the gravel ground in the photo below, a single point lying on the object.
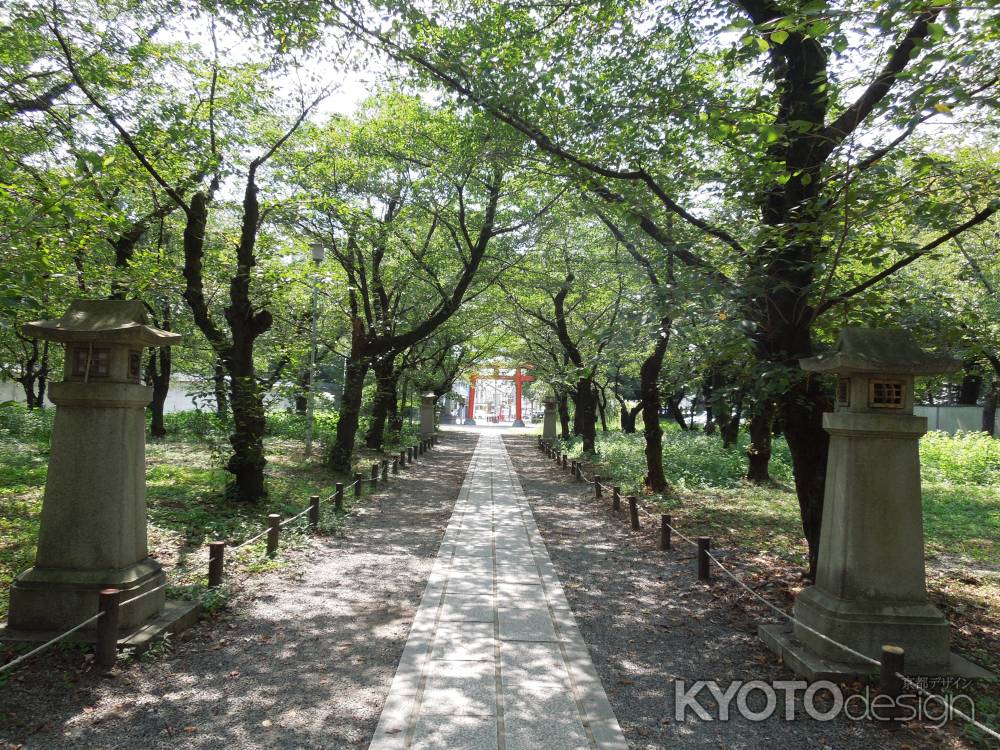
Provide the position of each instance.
(307, 664)
(648, 622)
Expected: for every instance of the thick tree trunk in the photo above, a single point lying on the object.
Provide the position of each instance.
(968, 392)
(350, 411)
(385, 398)
(628, 416)
(586, 414)
(649, 396)
(562, 403)
(759, 450)
(247, 438)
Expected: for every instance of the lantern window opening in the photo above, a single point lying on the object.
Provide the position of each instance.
(844, 392)
(885, 394)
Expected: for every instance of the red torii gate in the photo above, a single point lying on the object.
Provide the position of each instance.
(519, 379)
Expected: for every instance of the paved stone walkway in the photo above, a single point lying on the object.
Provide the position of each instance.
(494, 658)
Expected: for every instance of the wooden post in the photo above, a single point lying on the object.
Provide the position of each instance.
(314, 511)
(633, 512)
(888, 681)
(578, 471)
(616, 498)
(402, 459)
(338, 497)
(665, 531)
(572, 469)
(374, 476)
(358, 479)
(597, 486)
(385, 469)
(565, 461)
(704, 570)
(273, 533)
(395, 466)
(107, 627)
(409, 455)
(216, 563)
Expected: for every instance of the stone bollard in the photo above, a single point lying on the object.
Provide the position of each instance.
(216, 563)
(273, 533)
(107, 627)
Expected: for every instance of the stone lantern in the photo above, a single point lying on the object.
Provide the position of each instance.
(870, 586)
(549, 419)
(427, 403)
(93, 522)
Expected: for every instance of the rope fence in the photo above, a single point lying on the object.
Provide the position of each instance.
(110, 601)
(892, 655)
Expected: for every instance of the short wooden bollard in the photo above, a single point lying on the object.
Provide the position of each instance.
(273, 533)
(578, 471)
(565, 461)
(409, 455)
(572, 469)
(385, 469)
(665, 531)
(616, 498)
(395, 465)
(338, 497)
(597, 486)
(633, 512)
(107, 627)
(889, 682)
(402, 459)
(374, 476)
(216, 563)
(314, 511)
(704, 569)
(358, 479)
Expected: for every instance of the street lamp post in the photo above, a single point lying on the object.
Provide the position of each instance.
(318, 253)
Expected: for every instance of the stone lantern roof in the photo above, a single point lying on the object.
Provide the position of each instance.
(102, 321)
(881, 351)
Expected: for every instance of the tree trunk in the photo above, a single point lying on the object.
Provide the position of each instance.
(674, 410)
(759, 450)
(302, 396)
(350, 411)
(602, 406)
(968, 392)
(649, 396)
(158, 369)
(586, 414)
(990, 409)
(247, 438)
(562, 403)
(385, 398)
(43, 376)
(221, 392)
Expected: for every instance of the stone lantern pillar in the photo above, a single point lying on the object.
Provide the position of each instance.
(93, 522)
(549, 420)
(870, 586)
(427, 403)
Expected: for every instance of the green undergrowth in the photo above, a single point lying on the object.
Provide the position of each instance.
(960, 475)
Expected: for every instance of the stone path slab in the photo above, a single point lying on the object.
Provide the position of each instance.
(494, 659)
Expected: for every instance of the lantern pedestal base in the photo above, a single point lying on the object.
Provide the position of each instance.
(470, 420)
(54, 599)
(781, 640)
(518, 423)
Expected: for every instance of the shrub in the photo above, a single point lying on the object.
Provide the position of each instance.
(963, 458)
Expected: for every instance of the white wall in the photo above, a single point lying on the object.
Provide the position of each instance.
(951, 419)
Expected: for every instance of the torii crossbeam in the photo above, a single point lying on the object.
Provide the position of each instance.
(519, 379)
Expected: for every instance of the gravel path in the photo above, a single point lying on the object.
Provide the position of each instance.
(647, 622)
(305, 665)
